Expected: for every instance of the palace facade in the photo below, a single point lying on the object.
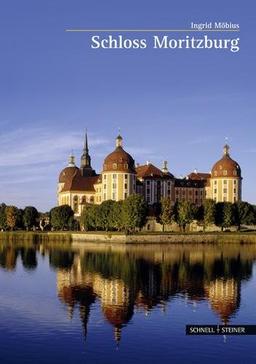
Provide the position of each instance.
(120, 178)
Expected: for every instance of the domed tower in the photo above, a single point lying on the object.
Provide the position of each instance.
(226, 179)
(65, 176)
(118, 175)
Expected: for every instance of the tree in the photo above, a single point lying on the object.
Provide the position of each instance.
(117, 221)
(134, 212)
(184, 213)
(209, 211)
(244, 214)
(3, 223)
(30, 216)
(224, 216)
(106, 215)
(12, 216)
(60, 217)
(91, 217)
(166, 215)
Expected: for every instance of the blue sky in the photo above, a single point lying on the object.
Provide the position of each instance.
(177, 105)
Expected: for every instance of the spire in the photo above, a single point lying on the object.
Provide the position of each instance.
(86, 149)
(85, 158)
(86, 169)
(117, 334)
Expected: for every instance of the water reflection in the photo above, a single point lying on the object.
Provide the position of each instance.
(126, 280)
(130, 280)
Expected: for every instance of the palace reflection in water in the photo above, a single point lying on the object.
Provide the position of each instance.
(127, 280)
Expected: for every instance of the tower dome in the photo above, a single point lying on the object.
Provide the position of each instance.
(70, 171)
(119, 160)
(226, 166)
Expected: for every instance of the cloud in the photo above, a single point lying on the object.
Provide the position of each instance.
(23, 147)
(31, 159)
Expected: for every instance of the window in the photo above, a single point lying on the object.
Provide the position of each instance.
(114, 186)
(196, 193)
(125, 176)
(234, 182)
(215, 190)
(225, 182)
(215, 182)
(148, 191)
(113, 196)
(148, 182)
(125, 195)
(125, 166)
(224, 190)
(105, 176)
(105, 196)
(105, 187)
(114, 176)
(75, 202)
(234, 190)
(125, 186)
(114, 166)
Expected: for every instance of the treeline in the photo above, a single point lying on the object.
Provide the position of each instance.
(13, 218)
(221, 214)
(59, 218)
(127, 215)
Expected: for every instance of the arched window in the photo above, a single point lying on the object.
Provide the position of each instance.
(75, 204)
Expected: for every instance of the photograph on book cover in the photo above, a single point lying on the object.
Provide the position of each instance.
(127, 181)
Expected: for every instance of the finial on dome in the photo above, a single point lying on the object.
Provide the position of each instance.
(119, 141)
(226, 150)
(71, 160)
(165, 167)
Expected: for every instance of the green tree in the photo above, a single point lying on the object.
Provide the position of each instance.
(3, 223)
(167, 212)
(184, 214)
(209, 211)
(90, 219)
(30, 216)
(244, 214)
(12, 216)
(106, 215)
(134, 212)
(224, 216)
(117, 221)
(60, 217)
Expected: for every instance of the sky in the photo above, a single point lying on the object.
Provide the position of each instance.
(175, 105)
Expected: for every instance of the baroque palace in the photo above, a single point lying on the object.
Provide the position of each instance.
(120, 178)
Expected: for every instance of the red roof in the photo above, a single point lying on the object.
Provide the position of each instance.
(149, 170)
(80, 183)
(199, 176)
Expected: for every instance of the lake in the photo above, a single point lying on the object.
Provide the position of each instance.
(93, 303)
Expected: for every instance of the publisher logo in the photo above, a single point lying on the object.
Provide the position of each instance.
(220, 329)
